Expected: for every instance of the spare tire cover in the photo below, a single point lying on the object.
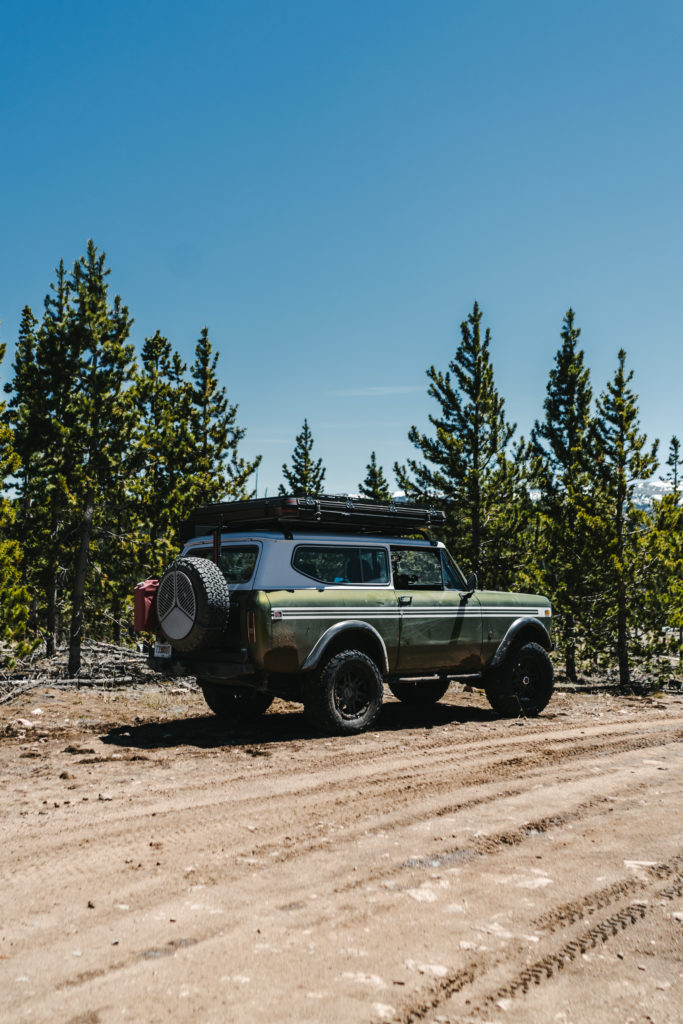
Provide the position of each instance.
(193, 603)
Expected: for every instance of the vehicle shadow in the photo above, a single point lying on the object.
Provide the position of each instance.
(209, 731)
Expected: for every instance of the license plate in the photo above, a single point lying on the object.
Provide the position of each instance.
(162, 650)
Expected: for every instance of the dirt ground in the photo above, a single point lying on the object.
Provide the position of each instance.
(449, 866)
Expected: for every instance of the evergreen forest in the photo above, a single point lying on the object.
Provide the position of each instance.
(105, 450)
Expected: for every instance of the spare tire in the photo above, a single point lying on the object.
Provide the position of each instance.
(193, 603)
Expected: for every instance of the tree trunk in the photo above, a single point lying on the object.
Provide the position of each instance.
(78, 600)
(117, 609)
(51, 614)
(622, 637)
(116, 626)
(52, 587)
(570, 651)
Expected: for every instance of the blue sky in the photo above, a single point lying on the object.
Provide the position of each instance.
(329, 186)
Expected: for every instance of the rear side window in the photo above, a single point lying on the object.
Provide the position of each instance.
(327, 564)
(236, 562)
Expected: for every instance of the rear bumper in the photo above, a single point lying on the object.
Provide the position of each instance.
(204, 664)
(215, 669)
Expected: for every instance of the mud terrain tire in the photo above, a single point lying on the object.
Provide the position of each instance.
(428, 692)
(523, 685)
(193, 603)
(345, 697)
(235, 703)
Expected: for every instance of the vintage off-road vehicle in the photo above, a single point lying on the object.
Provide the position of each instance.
(323, 600)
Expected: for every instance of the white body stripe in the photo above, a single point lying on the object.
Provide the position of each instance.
(405, 611)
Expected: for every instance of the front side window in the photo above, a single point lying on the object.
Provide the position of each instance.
(328, 564)
(451, 574)
(416, 568)
(236, 562)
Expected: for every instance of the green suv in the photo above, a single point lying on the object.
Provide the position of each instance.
(324, 600)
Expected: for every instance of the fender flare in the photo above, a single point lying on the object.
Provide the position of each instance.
(526, 623)
(313, 659)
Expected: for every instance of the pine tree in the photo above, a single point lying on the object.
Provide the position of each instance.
(218, 472)
(28, 401)
(674, 462)
(305, 476)
(111, 460)
(467, 467)
(163, 402)
(665, 594)
(375, 485)
(190, 441)
(40, 413)
(55, 459)
(621, 460)
(14, 596)
(562, 464)
(102, 412)
(68, 409)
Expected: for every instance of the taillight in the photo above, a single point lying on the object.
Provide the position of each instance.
(251, 628)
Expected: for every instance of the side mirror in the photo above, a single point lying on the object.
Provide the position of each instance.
(471, 583)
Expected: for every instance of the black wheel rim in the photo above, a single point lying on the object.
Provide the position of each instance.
(351, 692)
(525, 682)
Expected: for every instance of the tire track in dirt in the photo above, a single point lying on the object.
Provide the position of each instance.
(481, 847)
(342, 834)
(407, 788)
(562, 919)
(591, 903)
(359, 805)
(207, 869)
(570, 951)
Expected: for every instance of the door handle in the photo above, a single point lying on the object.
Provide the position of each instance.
(405, 599)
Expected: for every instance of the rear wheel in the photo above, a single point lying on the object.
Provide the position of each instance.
(524, 683)
(236, 703)
(346, 696)
(429, 691)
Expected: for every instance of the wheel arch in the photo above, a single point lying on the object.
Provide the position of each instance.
(351, 635)
(523, 630)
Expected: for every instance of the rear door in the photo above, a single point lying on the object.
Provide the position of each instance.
(237, 561)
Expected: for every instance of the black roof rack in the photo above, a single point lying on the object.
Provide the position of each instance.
(326, 512)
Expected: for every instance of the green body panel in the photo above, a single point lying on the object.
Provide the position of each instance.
(299, 618)
(423, 631)
(257, 602)
(499, 610)
(440, 629)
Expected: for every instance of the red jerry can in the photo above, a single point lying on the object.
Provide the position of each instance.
(145, 606)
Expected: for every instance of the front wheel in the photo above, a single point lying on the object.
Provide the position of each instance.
(346, 696)
(524, 683)
(235, 703)
(427, 692)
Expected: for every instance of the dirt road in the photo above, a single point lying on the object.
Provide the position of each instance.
(450, 866)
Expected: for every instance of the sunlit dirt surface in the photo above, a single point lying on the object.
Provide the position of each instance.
(158, 865)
